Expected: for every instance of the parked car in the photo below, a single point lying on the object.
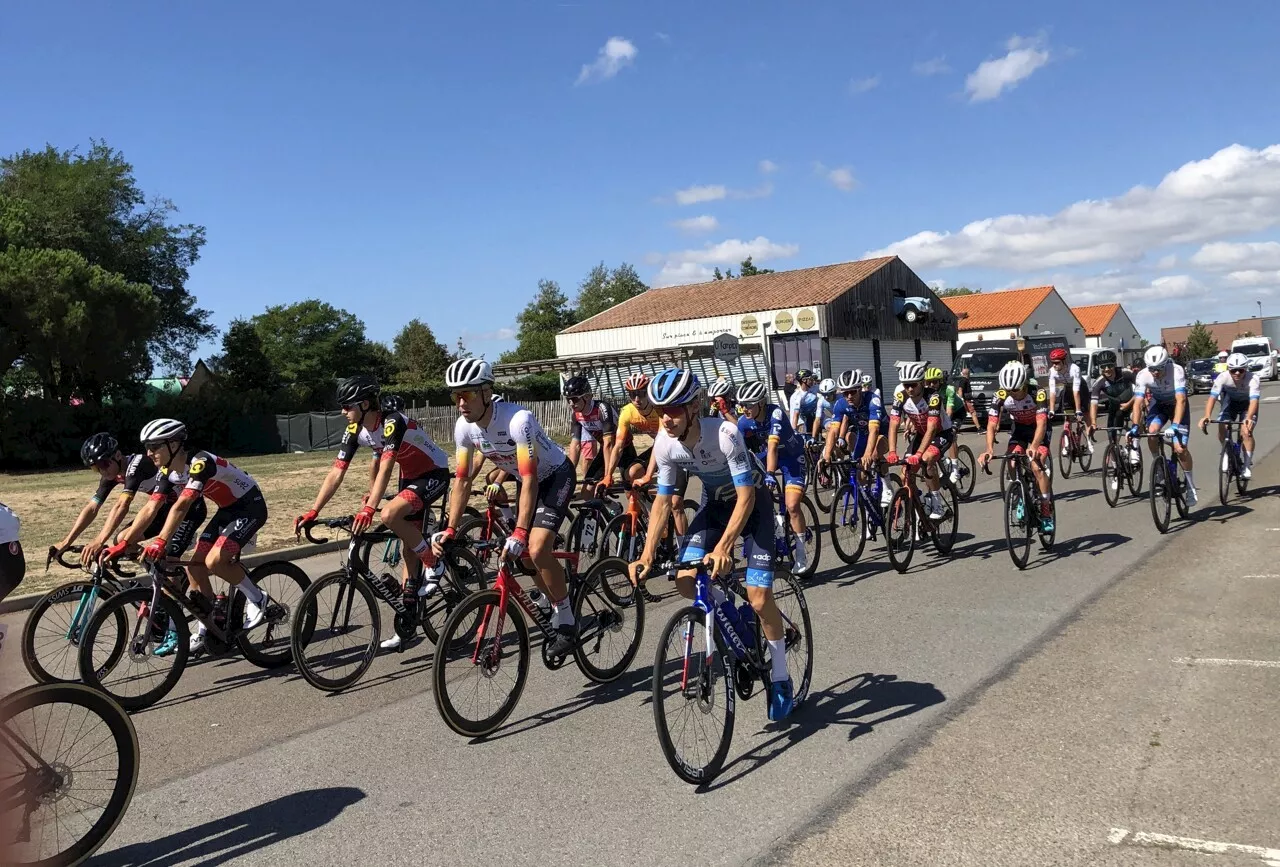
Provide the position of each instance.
(1200, 375)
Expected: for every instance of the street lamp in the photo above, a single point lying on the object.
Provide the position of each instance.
(1259, 303)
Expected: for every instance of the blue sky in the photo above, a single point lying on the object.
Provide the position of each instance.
(436, 160)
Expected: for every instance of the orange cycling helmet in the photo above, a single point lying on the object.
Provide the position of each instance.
(636, 382)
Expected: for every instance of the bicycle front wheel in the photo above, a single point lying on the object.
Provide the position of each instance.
(335, 630)
(845, 524)
(1226, 469)
(51, 636)
(269, 646)
(481, 664)
(150, 665)
(465, 575)
(609, 633)
(1017, 523)
(797, 630)
(1161, 493)
(968, 472)
(1112, 475)
(693, 697)
(944, 529)
(900, 529)
(69, 762)
(1066, 453)
(825, 482)
(619, 541)
(811, 538)
(1137, 471)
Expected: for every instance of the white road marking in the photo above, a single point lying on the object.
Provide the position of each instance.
(1254, 663)
(1205, 847)
(1270, 399)
(1268, 575)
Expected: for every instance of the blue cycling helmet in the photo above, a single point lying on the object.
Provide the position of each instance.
(674, 386)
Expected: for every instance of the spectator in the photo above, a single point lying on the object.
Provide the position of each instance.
(789, 387)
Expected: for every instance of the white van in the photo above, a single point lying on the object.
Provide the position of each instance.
(1087, 359)
(1261, 354)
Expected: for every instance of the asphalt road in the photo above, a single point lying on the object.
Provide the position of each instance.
(242, 766)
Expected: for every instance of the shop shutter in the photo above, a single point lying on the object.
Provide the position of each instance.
(891, 352)
(851, 355)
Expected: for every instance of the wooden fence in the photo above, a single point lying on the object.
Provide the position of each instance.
(439, 421)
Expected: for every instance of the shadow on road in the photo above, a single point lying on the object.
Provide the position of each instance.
(239, 834)
(1093, 545)
(860, 702)
(1076, 494)
(633, 681)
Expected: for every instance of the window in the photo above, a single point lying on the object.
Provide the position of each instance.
(790, 353)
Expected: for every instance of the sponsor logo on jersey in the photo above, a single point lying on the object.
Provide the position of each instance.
(353, 427)
(389, 429)
(197, 465)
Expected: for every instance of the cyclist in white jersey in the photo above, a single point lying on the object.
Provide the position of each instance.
(1161, 389)
(1240, 393)
(509, 436)
(735, 502)
(1062, 373)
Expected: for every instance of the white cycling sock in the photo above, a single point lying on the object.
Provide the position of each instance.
(562, 613)
(778, 658)
(251, 591)
(802, 556)
(1187, 475)
(1248, 459)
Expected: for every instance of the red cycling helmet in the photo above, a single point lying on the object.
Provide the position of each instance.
(636, 382)
(1058, 355)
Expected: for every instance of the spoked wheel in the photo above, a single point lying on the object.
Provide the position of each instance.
(1178, 487)
(1226, 470)
(1112, 474)
(51, 636)
(968, 472)
(464, 575)
(1242, 484)
(144, 673)
(609, 633)
(845, 524)
(69, 762)
(1161, 494)
(944, 530)
(1066, 452)
(812, 541)
(1017, 523)
(623, 538)
(268, 646)
(1047, 537)
(1008, 472)
(1137, 472)
(481, 664)
(693, 697)
(798, 632)
(1085, 456)
(826, 479)
(484, 541)
(900, 529)
(335, 631)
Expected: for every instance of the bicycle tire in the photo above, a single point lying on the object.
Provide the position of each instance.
(619, 542)
(1242, 484)
(1180, 489)
(1047, 538)
(794, 615)
(826, 480)
(1017, 530)
(486, 601)
(812, 540)
(271, 644)
(1137, 474)
(465, 575)
(964, 455)
(944, 540)
(1161, 495)
(64, 647)
(845, 520)
(1224, 475)
(474, 531)
(590, 600)
(1112, 474)
(901, 521)
(703, 771)
(310, 623)
(95, 674)
(120, 731)
(1066, 453)
(1085, 457)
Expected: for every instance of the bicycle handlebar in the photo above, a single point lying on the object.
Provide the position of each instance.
(343, 523)
(55, 554)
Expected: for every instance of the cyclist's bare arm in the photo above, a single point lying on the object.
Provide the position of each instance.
(659, 512)
(894, 424)
(381, 478)
(329, 487)
(142, 520)
(83, 520)
(114, 519)
(771, 457)
(574, 452)
(1179, 409)
(930, 434)
(177, 514)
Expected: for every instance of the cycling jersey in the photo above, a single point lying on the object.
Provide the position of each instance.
(513, 441)
(826, 411)
(632, 421)
(208, 476)
(138, 474)
(9, 525)
(1225, 388)
(718, 458)
(1058, 380)
(1023, 412)
(952, 400)
(804, 407)
(859, 419)
(595, 423)
(1164, 390)
(396, 437)
(1115, 391)
(920, 410)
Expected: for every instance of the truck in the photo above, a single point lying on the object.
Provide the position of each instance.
(1261, 354)
(984, 358)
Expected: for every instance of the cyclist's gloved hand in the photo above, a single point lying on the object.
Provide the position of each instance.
(516, 544)
(771, 482)
(913, 460)
(305, 518)
(441, 538)
(892, 457)
(363, 520)
(1079, 415)
(492, 491)
(602, 490)
(1204, 425)
(840, 442)
(155, 549)
(111, 552)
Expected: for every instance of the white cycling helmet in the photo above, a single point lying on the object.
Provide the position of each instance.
(468, 373)
(1222, 355)
(827, 386)
(162, 430)
(1155, 357)
(751, 392)
(849, 380)
(911, 371)
(868, 381)
(1013, 376)
(719, 388)
(1237, 361)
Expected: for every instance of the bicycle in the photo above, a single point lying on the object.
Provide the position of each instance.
(625, 534)
(51, 636)
(823, 481)
(785, 535)
(703, 671)
(907, 520)
(1168, 489)
(585, 536)
(473, 653)
(153, 609)
(1023, 510)
(1119, 468)
(1072, 447)
(68, 754)
(855, 515)
(327, 614)
(965, 466)
(1232, 462)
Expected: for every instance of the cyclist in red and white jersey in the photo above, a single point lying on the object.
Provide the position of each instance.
(591, 432)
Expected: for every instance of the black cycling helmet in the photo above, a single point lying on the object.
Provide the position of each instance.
(356, 388)
(392, 403)
(1105, 359)
(576, 386)
(97, 447)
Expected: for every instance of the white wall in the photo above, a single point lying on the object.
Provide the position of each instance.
(665, 335)
(1120, 327)
(1053, 315)
(987, 334)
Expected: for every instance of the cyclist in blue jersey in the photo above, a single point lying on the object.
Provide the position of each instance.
(1240, 393)
(803, 405)
(826, 408)
(769, 436)
(734, 503)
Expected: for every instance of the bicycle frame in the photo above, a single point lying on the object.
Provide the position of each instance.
(861, 495)
(509, 588)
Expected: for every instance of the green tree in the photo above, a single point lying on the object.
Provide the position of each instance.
(539, 322)
(419, 357)
(1200, 341)
(955, 291)
(90, 204)
(311, 343)
(602, 289)
(376, 358)
(746, 268)
(243, 365)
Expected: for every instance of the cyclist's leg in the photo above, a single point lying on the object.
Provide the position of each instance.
(238, 525)
(758, 547)
(1156, 418)
(594, 473)
(704, 534)
(552, 505)
(793, 483)
(403, 516)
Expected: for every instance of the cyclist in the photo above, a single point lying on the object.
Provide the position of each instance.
(932, 431)
(767, 433)
(591, 432)
(860, 415)
(1162, 389)
(1063, 371)
(135, 472)
(826, 404)
(1240, 393)
(242, 511)
(720, 395)
(1220, 366)
(509, 436)
(1030, 429)
(1114, 388)
(395, 440)
(843, 415)
(935, 382)
(734, 503)
(804, 403)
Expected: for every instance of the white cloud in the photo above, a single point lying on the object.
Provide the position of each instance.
(936, 285)
(497, 334)
(840, 177)
(862, 85)
(1167, 262)
(616, 54)
(768, 167)
(1126, 287)
(934, 66)
(696, 194)
(1234, 192)
(1254, 277)
(705, 223)
(994, 76)
(692, 266)
(665, 37)
(1226, 256)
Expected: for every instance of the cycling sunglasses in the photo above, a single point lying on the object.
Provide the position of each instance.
(467, 394)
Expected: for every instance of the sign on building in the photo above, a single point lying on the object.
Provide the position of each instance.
(726, 348)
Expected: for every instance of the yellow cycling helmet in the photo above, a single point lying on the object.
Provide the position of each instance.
(932, 374)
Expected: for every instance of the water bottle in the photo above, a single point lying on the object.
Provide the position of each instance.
(747, 614)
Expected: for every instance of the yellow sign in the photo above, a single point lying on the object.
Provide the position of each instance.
(749, 326)
(783, 321)
(806, 319)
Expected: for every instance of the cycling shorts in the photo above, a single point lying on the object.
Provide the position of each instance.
(1235, 410)
(1021, 435)
(233, 527)
(1160, 414)
(758, 546)
(13, 565)
(421, 493)
(554, 494)
(792, 470)
(941, 442)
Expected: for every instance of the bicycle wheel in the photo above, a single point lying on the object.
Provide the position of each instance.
(138, 677)
(1137, 472)
(51, 635)
(693, 697)
(846, 525)
(1047, 537)
(1161, 494)
(900, 529)
(797, 630)
(486, 543)
(269, 645)
(69, 762)
(812, 538)
(619, 541)
(335, 631)
(1112, 474)
(1008, 472)
(464, 576)
(1017, 523)
(472, 663)
(968, 472)
(1242, 484)
(944, 530)
(1226, 469)
(1085, 456)
(1178, 487)
(609, 633)
(825, 481)
(1066, 453)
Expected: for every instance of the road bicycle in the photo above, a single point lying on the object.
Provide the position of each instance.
(708, 656)
(1023, 516)
(586, 529)
(337, 625)
(965, 467)
(137, 664)
(1232, 462)
(483, 650)
(51, 636)
(785, 535)
(1119, 468)
(823, 479)
(1168, 486)
(1073, 447)
(626, 534)
(856, 514)
(69, 761)
(907, 519)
